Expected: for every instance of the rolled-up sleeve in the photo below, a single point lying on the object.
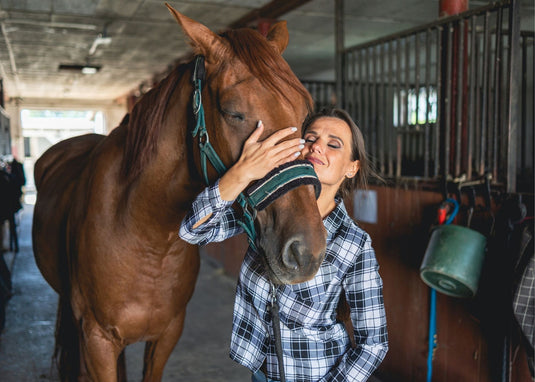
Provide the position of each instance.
(222, 223)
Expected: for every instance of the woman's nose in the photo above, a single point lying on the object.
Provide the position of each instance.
(316, 147)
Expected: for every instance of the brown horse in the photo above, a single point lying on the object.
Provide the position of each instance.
(109, 207)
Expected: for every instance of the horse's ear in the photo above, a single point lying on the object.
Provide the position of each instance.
(202, 39)
(278, 36)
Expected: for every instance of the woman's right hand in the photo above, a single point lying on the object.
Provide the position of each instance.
(258, 158)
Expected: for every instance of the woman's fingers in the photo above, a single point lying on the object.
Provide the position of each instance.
(260, 157)
(256, 134)
(295, 144)
(273, 139)
(272, 145)
(288, 155)
(278, 135)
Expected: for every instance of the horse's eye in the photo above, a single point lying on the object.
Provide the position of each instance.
(238, 116)
(234, 116)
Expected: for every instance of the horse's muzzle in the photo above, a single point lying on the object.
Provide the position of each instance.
(292, 237)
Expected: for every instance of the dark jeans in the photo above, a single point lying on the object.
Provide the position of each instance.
(259, 376)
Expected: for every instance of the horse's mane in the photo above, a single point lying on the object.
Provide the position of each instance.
(144, 123)
(265, 63)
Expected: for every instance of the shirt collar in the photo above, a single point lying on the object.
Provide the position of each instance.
(334, 220)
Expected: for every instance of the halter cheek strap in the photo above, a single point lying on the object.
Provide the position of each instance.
(206, 149)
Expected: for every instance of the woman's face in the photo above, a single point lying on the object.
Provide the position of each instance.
(328, 146)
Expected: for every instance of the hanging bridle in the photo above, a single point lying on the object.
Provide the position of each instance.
(256, 197)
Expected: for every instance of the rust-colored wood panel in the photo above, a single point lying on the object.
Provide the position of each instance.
(399, 239)
(461, 349)
(467, 332)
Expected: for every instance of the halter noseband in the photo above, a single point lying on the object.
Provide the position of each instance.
(262, 192)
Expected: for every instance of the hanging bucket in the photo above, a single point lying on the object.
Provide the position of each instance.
(453, 260)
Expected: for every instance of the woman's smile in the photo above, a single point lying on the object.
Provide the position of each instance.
(314, 160)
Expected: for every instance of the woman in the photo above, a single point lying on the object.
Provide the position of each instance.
(315, 345)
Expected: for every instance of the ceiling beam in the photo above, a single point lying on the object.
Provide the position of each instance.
(272, 10)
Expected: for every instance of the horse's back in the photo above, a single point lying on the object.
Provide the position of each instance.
(56, 174)
(69, 152)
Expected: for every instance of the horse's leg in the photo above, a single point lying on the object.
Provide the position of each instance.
(100, 355)
(157, 352)
(121, 368)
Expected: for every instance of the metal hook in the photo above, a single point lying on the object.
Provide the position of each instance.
(273, 293)
(471, 205)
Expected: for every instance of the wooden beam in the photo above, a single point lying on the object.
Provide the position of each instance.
(272, 10)
(339, 34)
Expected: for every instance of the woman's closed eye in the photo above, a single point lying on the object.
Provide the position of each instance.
(334, 144)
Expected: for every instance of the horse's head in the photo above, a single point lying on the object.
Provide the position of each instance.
(247, 80)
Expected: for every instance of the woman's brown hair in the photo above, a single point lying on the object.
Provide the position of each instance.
(358, 150)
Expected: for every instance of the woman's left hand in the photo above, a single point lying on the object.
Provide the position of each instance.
(258, 158)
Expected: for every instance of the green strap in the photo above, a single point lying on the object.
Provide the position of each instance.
(281, 180)
(207, 151)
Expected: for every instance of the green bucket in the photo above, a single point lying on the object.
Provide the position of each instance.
(453, 260)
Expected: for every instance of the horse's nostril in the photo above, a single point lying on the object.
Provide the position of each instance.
(291, 255)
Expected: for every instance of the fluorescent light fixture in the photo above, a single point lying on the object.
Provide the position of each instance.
(85, 69)
(89, 70)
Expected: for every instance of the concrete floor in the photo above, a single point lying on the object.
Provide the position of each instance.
(27, 341)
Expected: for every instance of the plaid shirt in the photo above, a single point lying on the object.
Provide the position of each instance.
(316, 347)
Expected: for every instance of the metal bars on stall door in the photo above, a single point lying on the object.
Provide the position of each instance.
(436, 101)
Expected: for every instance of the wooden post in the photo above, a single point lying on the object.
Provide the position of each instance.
(339, 49)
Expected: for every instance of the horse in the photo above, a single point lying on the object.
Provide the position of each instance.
(108, 208)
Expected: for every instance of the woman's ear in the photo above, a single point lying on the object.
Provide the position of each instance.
(353, 169)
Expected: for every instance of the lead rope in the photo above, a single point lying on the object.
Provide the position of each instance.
(277, 330)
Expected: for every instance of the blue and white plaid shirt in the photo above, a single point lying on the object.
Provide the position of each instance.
(316, 346)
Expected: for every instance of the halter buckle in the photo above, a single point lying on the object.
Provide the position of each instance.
(197, 101)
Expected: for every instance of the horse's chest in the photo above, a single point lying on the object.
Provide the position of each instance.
(143, 295)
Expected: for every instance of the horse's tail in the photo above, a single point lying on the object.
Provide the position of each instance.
(67, 348)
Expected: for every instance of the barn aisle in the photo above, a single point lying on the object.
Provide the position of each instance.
(27, 341)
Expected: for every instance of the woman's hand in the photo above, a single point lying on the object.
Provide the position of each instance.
(258, 158)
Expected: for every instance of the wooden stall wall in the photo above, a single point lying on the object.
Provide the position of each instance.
(400, 238)
(469, 331)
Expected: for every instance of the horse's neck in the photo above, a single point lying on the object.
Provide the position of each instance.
(168, 179)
